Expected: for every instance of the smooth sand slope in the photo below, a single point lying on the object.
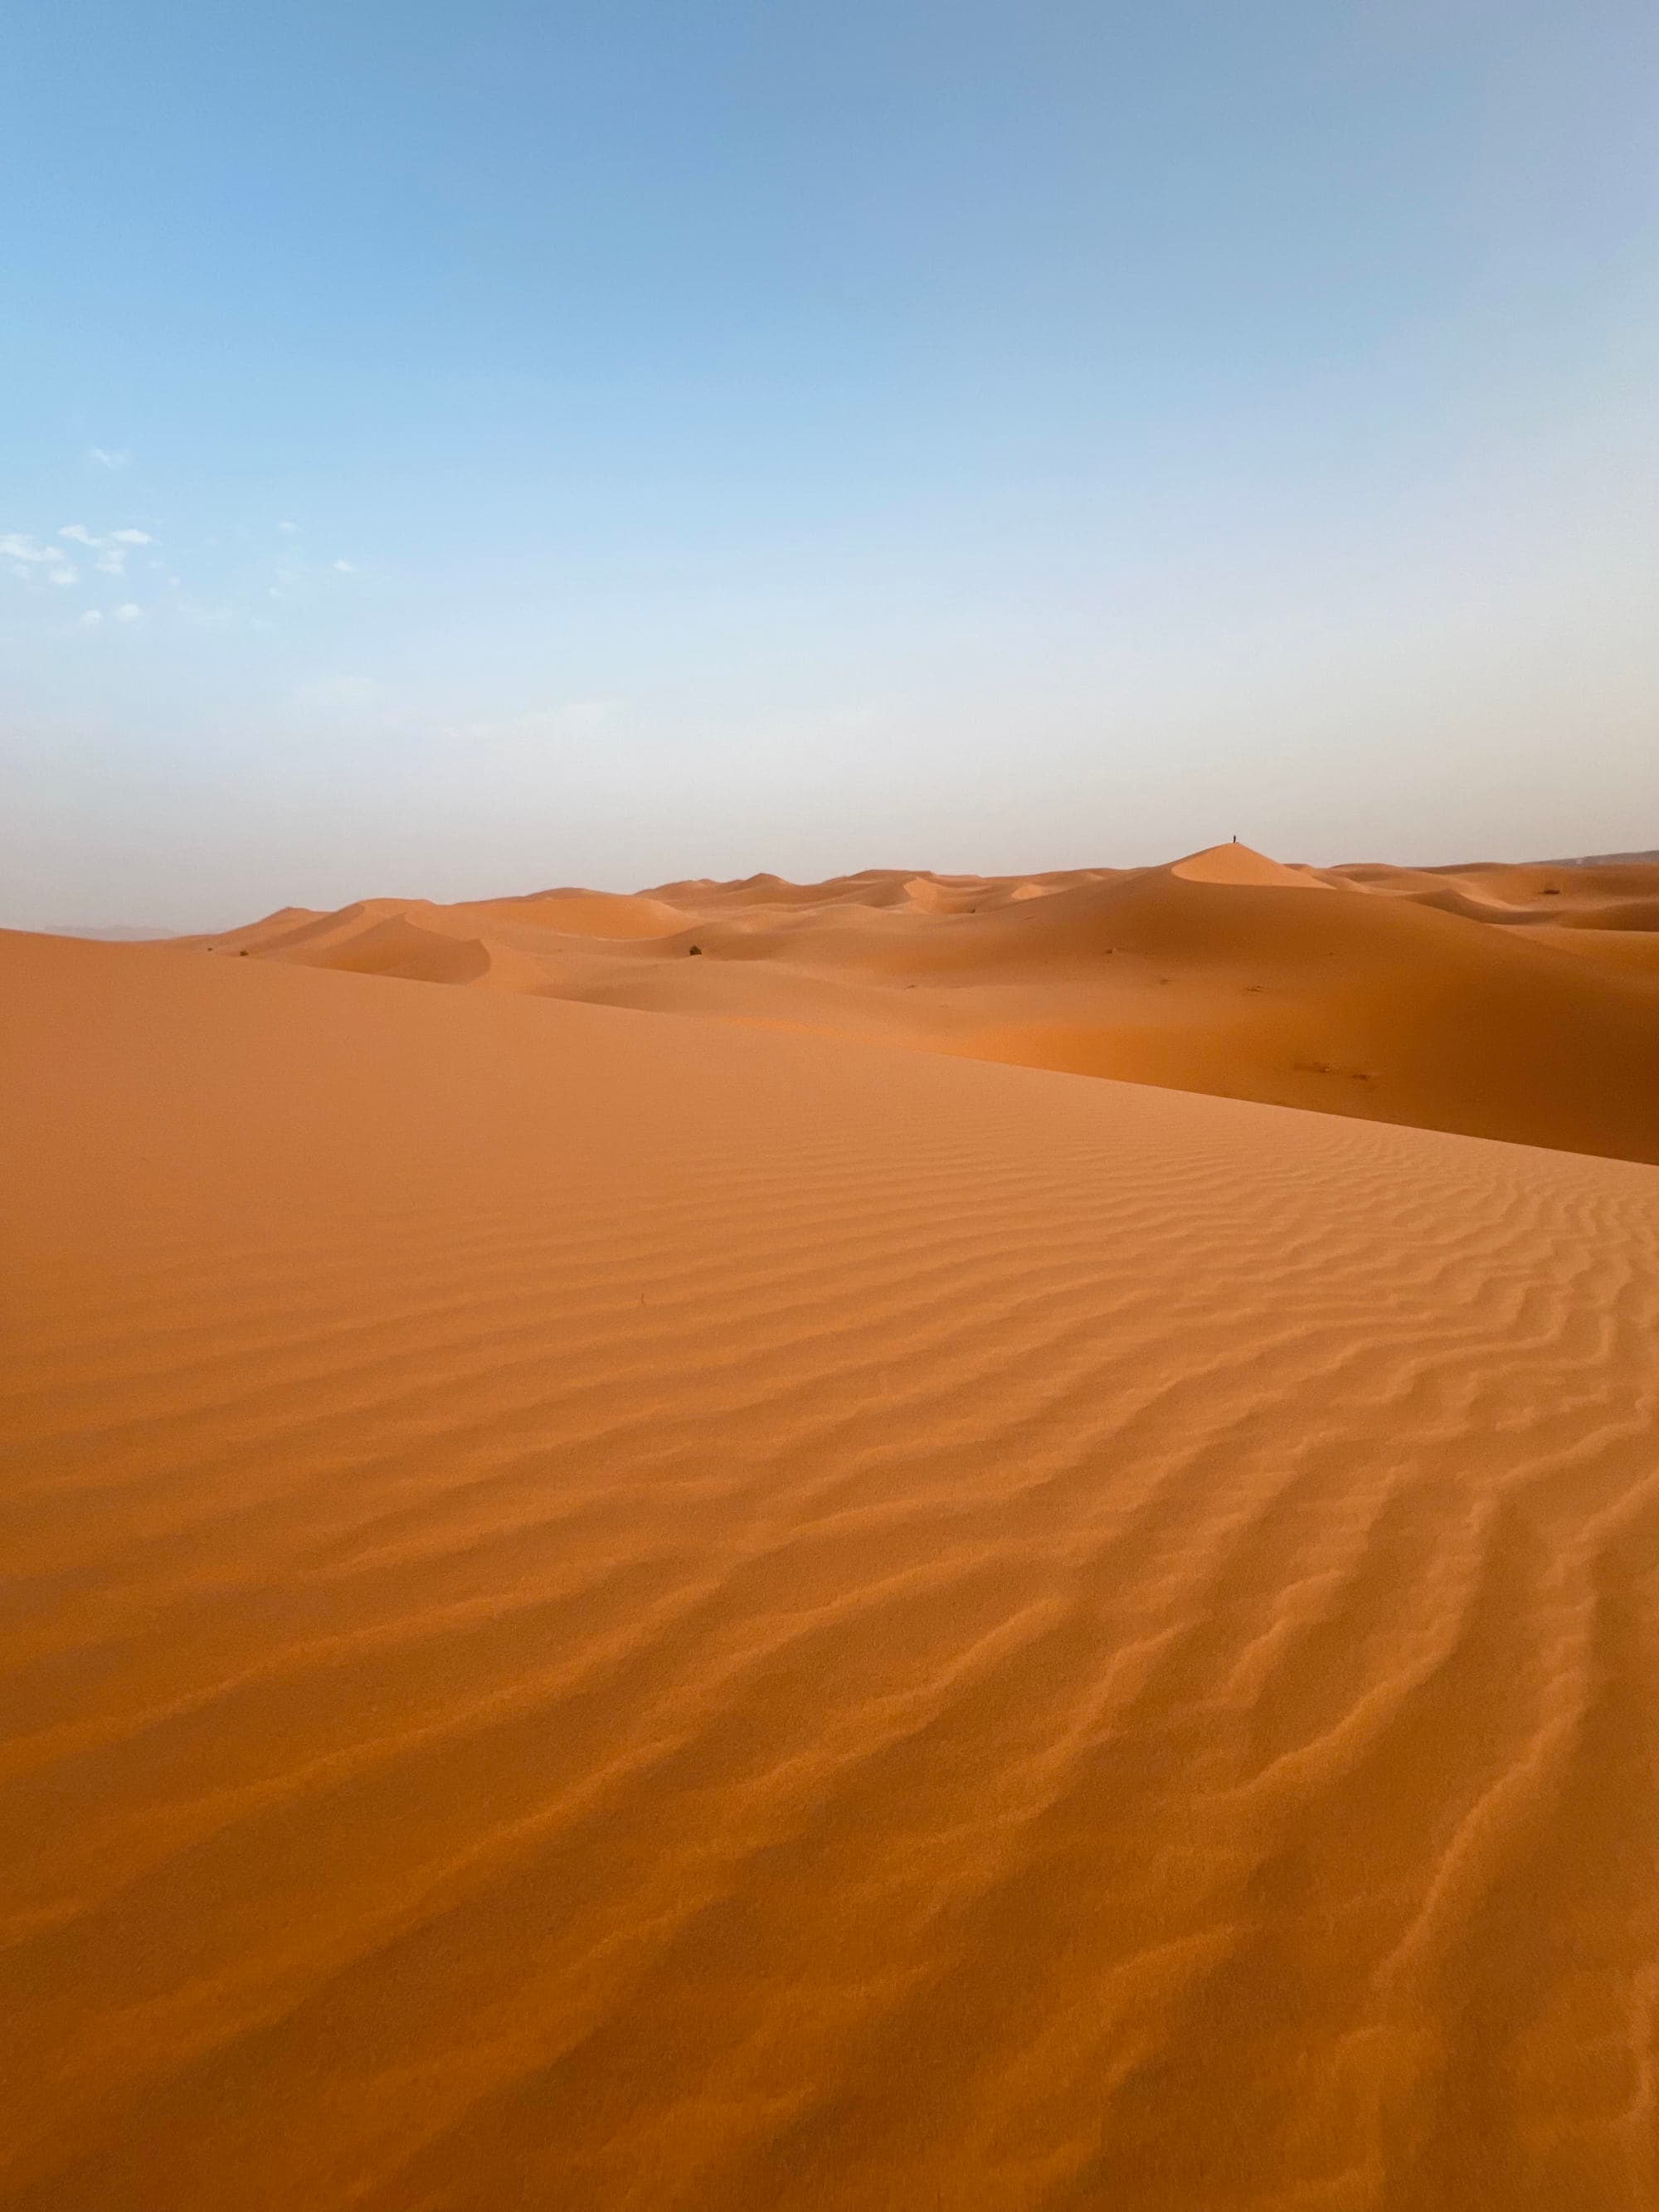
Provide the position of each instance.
(610, 1612)
(1512, 1002)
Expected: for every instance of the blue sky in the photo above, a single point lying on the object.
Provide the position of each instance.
(454, 448)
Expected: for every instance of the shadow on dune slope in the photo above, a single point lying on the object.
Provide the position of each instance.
(1513, 1002)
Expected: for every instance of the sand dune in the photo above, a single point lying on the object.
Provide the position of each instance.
(1238, 864)
(1521, 1003)
(612, 1612)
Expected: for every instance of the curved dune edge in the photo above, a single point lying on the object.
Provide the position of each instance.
(612, 1612)
(1520, 1003)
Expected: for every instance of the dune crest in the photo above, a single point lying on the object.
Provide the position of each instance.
(1241, 864)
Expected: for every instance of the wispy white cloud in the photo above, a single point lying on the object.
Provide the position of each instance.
(92, 619)
(103, 457)
(49, 561)
(111, 559)
(79, 551)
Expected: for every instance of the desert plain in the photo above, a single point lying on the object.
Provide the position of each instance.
(916, 1542)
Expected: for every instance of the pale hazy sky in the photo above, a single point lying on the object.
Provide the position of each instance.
(455, 447)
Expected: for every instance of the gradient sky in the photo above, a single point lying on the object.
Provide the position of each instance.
(455, 447)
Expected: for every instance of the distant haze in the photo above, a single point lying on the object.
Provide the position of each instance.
(115, 934)
(451, 451)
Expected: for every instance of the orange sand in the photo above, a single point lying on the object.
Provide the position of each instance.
(1513, 1002)
(611, 1613)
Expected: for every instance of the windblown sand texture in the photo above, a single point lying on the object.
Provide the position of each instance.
(612, 1614)
(1512, 1002)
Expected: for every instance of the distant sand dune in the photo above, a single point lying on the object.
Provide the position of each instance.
(1513, 1002)
(1238, 864)
(611, 1613)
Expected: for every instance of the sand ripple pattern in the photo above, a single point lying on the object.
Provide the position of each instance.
(609, 1612)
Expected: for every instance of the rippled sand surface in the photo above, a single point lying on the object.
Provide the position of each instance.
(605, 1612)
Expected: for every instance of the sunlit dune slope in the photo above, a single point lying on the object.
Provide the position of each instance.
(1585, 895)
(610, 1612)
(1520, 1003)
